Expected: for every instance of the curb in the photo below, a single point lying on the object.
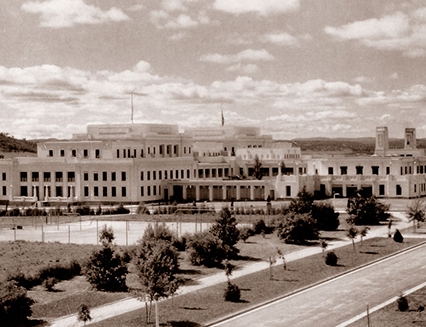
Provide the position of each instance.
(305, 288)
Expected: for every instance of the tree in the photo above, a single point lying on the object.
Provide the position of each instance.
(363, 232)
(416, 212)
(257, 169)
(352, 233)
(282, 257)
(204, 249)
(325, 216)
(15, 305)
(157, 265)
(364, 209)
(303, 203)
(157, 232)
(106, 269)
(245, 233)
(324, 246)
(83, 314)
(297, 228)
(226, 231)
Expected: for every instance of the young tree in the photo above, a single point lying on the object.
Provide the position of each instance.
(157, 266)
(297, 228)
(352, 233)
(83, 314)
(363, 232)
(257, 169)
(282, 257)
(364, 209)
(324, 246)
(106, 269)
(416, 212)
(226, 232)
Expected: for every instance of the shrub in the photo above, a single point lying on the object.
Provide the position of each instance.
(259, 226)
(402, 304)
(232, 293)
(120, 210)
(397, 237)
(331, 259)
(297, 228)
(204, 249)
(325, 216)
(15, 305)
(226, 232)
(157, 232)
(245, 233)
(49, 283)
(366, 210)
(181, 242)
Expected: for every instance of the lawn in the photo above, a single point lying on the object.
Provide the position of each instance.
(203, 306)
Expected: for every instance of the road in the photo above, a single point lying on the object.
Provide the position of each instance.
(339, 300)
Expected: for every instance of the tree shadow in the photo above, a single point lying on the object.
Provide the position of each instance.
(192, 308)
(250, 242)
(31, 323)
(184, 323)
(368, 252)
(190, 272)
(190, 282)
(246, 258)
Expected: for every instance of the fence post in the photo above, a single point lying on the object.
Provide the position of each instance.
(42, 234)
(127, 233)
(14, 233)
(97, 231)
(69, 235)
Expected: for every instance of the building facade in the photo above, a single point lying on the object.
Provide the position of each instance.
(132, 163)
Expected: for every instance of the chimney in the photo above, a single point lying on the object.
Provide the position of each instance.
(382, 141)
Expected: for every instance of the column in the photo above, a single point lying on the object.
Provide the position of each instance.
(184, 192)
(224, 197)
(197, 192)
(211, 193)
(251, 192)
(238, 193)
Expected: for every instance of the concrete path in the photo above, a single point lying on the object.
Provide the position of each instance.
(131, 304)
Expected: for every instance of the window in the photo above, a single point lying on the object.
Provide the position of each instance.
(74, 153)
(182, 173)
(154, 173)
(97, 153)
(50, 153)
(59, 191)
(398, 190)
(175, 148)
(46, 176)
(381, 189)
(171, 174)
(95, 176)
(288, 190)
(24, 191)
(141, 175)
(343, 170)
(154, 190)
(123, 192)
(86, 191)
(406, 170)
(415, 188)
(71, 176)
(62, 153)
(123, 176)
(177, 174)
(86, 176)
(58, 176)
(409, 170)
(387, 170)
(165, 174)
(4, 190)
(184, 150)
(359, 170)
(85, 153)
(148, 175)
(142, 191)
(113, 191)
(188, 173)
(96, 191)
(149, 190)
(113, 178)
(24, 177)
(3, 176)
(104, 176)
(118, 153)
(160, 174)
(375, 170)
(104, 191)
(35, 176)
(124, 153)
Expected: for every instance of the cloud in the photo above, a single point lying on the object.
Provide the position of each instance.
(248, 69)
(67, 13)
(246, 55)
(162, 19)
(261, 7)
(137, 7)
(284, 39)
(400, 31)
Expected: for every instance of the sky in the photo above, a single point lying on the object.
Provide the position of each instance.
(294, 68)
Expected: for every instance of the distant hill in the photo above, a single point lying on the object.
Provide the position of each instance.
(363, 145)
(10, 144)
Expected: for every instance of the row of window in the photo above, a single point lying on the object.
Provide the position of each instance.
(166, 174)
(359, 170)
(163, 150)
(47, 176)
(113, 176)
(74, 153)
(104, 189)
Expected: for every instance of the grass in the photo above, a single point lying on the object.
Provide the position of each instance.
(198, 308)
(390, 316)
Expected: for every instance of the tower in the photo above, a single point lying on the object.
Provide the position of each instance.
(382, 141)
(410, 139)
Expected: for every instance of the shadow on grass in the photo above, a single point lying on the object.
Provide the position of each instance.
(250, 242)
(185, 323)
(246, 258)
(31, 323)
(193, 308)
(368, 252)
(190, 282)
(190, 272)
(331, 239)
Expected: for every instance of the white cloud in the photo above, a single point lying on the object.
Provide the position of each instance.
(66, 13)
(137, 7)
(162, 19)
(248, 69)
(400, 31)
(283, 39)
(243, 56)
(394, 75)
(261, 7)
